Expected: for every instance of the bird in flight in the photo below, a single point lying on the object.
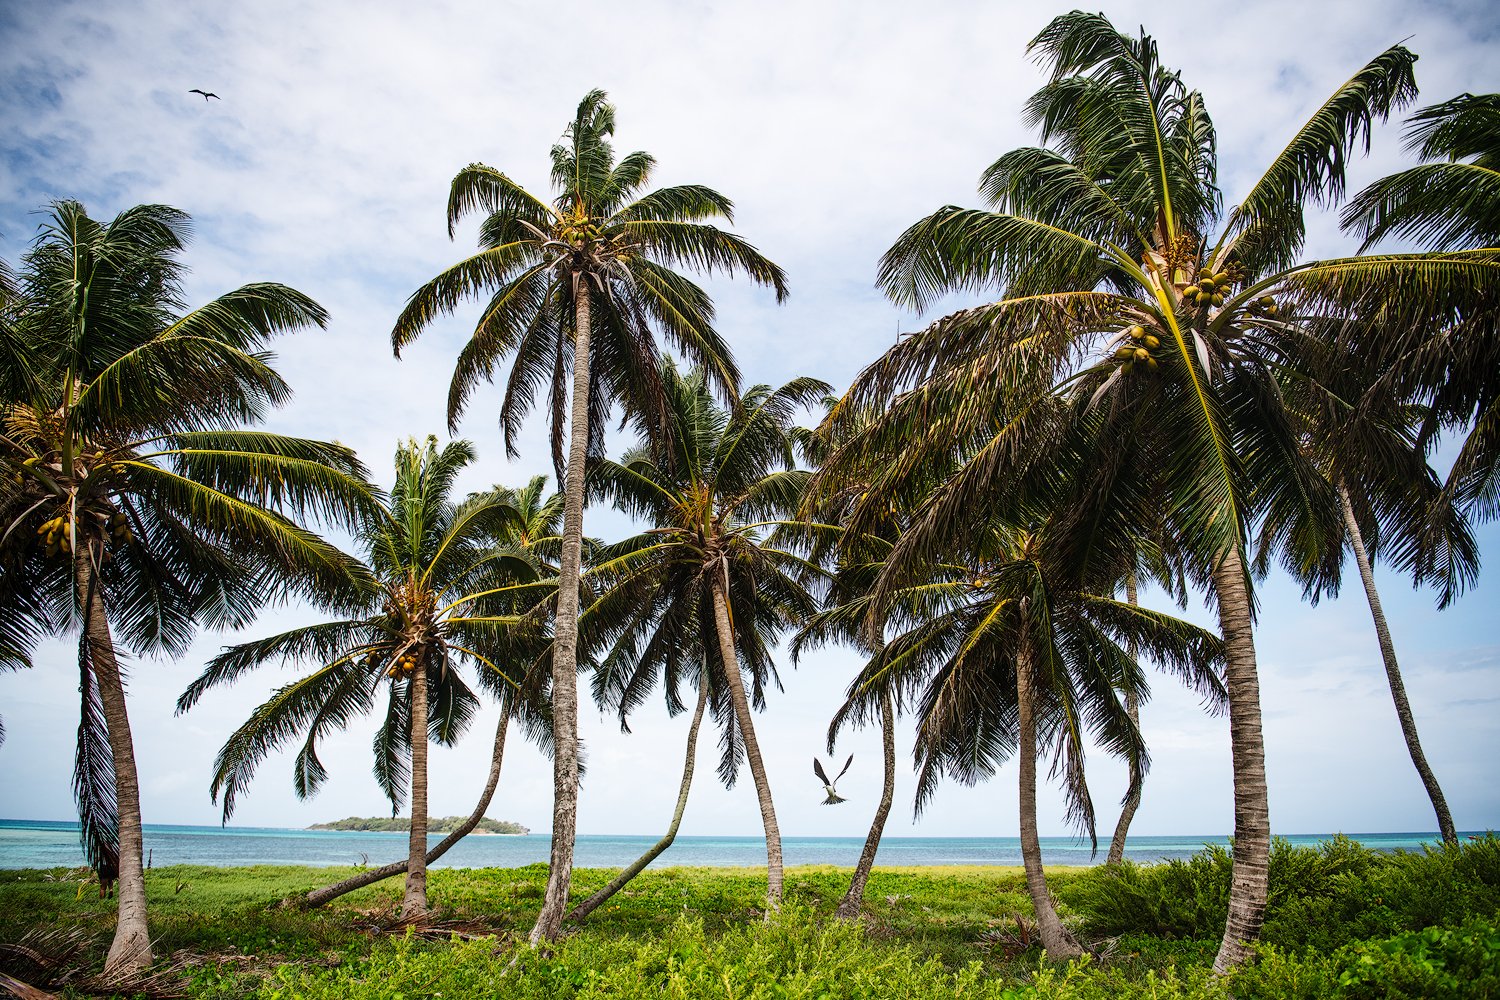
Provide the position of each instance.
(206, 94)
(831, 786)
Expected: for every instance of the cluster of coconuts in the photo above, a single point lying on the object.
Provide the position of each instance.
(1265, 306)
(1211, 286)
(55, 536)
(1138, 351)
(404, 662)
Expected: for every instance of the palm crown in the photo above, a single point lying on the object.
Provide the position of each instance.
(714, 492)
(604, 232)
(453, 583)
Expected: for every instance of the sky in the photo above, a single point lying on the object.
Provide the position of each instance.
(833, 126)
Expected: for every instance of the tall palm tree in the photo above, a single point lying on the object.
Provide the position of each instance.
(445, 597)
(1365, 441)
(1166, 333)
(703, 593)
(531, 536)
(135, 504)
(583, 285)
(1014, 649)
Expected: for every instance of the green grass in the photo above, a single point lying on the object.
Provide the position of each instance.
(701, 932)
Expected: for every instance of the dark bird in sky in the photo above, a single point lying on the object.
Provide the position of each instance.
(206, 94)
(831, 786)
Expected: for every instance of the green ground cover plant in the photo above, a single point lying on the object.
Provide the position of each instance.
(1346, 922)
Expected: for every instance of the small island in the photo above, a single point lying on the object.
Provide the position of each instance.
(435, 824)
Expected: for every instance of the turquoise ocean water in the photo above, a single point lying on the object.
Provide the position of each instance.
(41, 844)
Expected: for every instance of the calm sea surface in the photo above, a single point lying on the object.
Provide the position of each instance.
(39, 844)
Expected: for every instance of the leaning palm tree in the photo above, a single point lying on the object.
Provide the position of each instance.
(1366, 442)
(1121, 282)
(445, 597)
(530, 536)
(136, 507)
(578, 292)
(702, 594)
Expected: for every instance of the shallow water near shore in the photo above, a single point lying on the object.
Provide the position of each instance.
(43, 844)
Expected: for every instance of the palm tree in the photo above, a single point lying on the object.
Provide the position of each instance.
(1016, 648)
(1156, 562)
(704, 592)
(445, 596)
(1166, 336)
(532, 537)
(136, 507)
(582, 284)
(1365, 442)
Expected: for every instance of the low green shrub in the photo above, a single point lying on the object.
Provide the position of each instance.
(794, 955)
(1322, 897)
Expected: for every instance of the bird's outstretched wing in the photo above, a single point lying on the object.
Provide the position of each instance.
(846, 768)
(206, 94)
(818, 770)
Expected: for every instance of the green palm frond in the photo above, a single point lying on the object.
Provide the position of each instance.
(94, 773)
(485, 189)
(957, 249)
(1439, 206)
(290, 710)
(1313, 166)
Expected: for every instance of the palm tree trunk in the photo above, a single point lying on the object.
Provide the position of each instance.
(583, 909)
(1133, 794)
(1252, 814)
(130, 951)
(1393, 674)
(331, 892)
(849, 906)
(565, 642)
(1056, 941)
(414, 905)
(752, 747)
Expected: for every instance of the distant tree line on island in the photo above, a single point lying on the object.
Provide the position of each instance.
(402, 824)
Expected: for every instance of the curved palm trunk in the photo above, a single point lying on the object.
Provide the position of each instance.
(1133, 794)
(130, 951)
(752, 747)
(414, 905)
(583, 909)
(1252, 814)
(1393, 674)
(849, 906)
(329, 893)
(1056, 941)
(565, 643)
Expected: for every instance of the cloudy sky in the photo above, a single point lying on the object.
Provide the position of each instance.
(833, 125)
